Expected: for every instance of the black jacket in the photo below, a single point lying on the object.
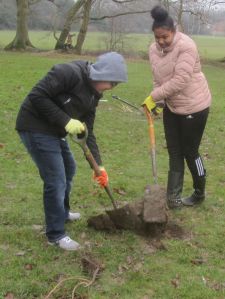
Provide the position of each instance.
(64, 93)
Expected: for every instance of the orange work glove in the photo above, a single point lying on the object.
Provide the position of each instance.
(102, 179)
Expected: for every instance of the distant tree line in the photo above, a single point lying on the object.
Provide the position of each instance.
(118, 17)
(44, 16)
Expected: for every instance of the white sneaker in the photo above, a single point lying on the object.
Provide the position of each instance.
(66, 243)
(73, 216)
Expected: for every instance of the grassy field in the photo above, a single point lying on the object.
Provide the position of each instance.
(192, 267)
(210, 47)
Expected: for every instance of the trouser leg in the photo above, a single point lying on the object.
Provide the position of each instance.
(192, 131)
(47, 154)
(176, 158)
(70, 170)
(173, 132)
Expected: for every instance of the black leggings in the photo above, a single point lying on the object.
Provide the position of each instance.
(183, 135)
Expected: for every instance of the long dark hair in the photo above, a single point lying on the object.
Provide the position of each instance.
(162, 19)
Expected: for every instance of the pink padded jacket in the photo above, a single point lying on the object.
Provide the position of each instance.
(177, 76)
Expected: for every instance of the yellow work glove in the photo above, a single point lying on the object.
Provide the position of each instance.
(74, 126)
(152, 105)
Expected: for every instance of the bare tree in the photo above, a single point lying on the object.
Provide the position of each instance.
(84, 26)
(70, 18)
(193, 8)
(21, 41)
(115, 40)
(74, 14)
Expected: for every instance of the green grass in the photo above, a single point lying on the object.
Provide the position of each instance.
(210, 47)
(30, 269)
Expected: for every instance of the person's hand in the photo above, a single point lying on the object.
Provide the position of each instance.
(74, 126)
(102, 179)
(152, 106)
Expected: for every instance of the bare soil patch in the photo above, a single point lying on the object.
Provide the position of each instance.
(148, 216)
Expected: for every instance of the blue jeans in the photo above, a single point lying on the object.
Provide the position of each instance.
(56, 167)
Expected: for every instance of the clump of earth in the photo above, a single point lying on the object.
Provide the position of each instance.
(146, 215)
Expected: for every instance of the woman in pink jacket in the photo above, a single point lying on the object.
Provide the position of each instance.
(180, 84)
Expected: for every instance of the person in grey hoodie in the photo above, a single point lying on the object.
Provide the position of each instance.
(60, 104)
(181, 85)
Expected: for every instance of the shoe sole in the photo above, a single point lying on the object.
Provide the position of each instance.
(192, 204)
(58, 245)
(67, 249)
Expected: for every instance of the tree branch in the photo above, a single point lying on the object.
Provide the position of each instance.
(121, 14)
(123, 1)
(31, 2)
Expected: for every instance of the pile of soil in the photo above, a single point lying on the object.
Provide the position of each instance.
(149, 215)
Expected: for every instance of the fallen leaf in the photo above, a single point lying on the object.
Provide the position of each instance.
(175, 282)
(98, 244)
(219, 286)
(125, 267)
(55, 258)
(9, 296)
(1, 145)
(90, 265)
(129, 260)
(28, 267)
(20, 253)
(198, 261)
(37, 227)
(206, 156)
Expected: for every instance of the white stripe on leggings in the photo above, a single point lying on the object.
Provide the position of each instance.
(200, 166)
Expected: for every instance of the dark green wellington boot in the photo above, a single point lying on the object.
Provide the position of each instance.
(199, 192)
(174, 189)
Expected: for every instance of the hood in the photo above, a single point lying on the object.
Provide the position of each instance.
(109, 67)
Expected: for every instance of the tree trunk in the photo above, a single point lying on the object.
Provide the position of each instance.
(179, 17)
(84, 27)
(21, 40)
(69, 21)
